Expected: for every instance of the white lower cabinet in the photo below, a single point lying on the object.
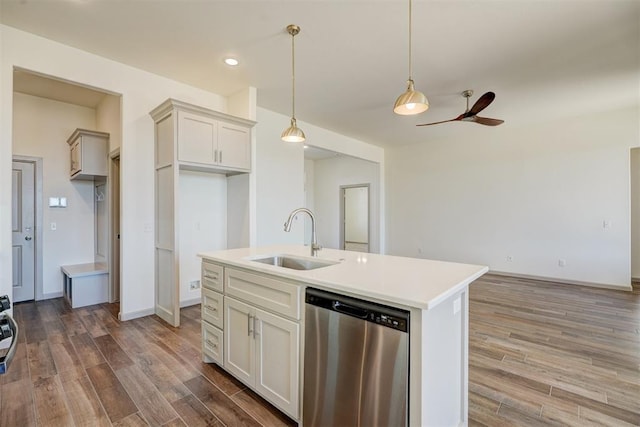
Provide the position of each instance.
(262, 350)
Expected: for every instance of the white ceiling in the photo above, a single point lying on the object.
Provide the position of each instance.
(544, 59)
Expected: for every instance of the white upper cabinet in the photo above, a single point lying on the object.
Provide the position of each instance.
(88, 154)
(206, 139)
(234, 146)
(197, 138)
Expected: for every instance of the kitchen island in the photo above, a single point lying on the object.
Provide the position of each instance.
(253, 317)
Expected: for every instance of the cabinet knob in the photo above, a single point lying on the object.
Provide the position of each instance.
(27, 238)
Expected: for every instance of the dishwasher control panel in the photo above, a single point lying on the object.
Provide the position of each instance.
(369, 311)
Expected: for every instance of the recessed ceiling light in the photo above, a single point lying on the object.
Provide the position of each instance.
(231, 61)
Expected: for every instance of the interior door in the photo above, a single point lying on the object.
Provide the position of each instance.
(355, 215)
(23, 230)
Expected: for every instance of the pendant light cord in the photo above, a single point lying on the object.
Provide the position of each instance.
(410, 62)
(293, 77)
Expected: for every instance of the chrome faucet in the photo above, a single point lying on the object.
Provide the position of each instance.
(314, 242)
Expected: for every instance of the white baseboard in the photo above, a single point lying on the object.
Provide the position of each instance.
(51, 295)
(135, 314)
(148, 312)
(190, 302)
(614, 286)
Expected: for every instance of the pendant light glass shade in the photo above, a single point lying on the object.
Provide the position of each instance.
(411, 101)
(293, 133)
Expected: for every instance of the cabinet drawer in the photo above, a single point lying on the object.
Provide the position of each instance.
(212, 310)
(271, 293)
(212, 276)
(212, 343)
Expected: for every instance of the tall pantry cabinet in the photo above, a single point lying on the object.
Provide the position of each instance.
(189, 139)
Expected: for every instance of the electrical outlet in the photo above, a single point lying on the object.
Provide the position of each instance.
(194, 284)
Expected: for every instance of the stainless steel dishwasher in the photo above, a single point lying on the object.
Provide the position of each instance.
(356, 362)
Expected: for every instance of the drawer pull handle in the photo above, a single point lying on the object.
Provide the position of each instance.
(210, 307)
(212, 344)
(211, 276)
(249, 322)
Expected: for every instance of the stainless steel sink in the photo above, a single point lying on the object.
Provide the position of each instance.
(293, 262)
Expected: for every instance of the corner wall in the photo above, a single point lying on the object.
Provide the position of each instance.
(539, 194)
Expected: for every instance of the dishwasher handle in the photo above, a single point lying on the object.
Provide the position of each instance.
(351, 310)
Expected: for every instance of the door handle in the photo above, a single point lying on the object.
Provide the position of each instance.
(28, 238)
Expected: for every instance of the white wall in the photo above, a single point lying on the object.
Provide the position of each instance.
(108, 120)
(635, 213)
(332, 173)
(538, 194)
(141, 92)
(41, 128)
(279, 176)
(202, 224)
(309, 196)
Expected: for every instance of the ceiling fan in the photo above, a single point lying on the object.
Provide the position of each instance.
(471, 115)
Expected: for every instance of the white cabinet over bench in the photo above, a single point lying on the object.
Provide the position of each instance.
(191, 140)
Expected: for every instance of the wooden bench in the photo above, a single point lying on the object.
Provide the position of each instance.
(85, 284)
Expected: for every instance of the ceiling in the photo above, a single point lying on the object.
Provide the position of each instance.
(544, 59)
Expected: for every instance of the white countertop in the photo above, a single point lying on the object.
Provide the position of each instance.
(411, 282)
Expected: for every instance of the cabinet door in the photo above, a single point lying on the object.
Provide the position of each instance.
(234, 146)
(278, 360)
(196, 138)
(238, 340)
(76, 157)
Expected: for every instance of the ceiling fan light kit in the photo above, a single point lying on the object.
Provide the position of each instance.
(411, 102)
(293, 133)
(471, 114)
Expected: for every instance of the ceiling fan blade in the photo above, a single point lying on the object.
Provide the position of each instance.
(437, 123)
(487, 121)
(482, 103)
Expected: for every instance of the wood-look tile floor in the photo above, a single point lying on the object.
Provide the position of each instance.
(539, 354)
(544, 353)
(83, 367)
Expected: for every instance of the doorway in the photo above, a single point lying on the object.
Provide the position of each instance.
(354, 214)
(26, 228)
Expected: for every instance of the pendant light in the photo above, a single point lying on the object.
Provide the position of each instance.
(411, 101)
(293, 133)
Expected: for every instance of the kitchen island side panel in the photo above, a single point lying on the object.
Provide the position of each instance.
(439, 364)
